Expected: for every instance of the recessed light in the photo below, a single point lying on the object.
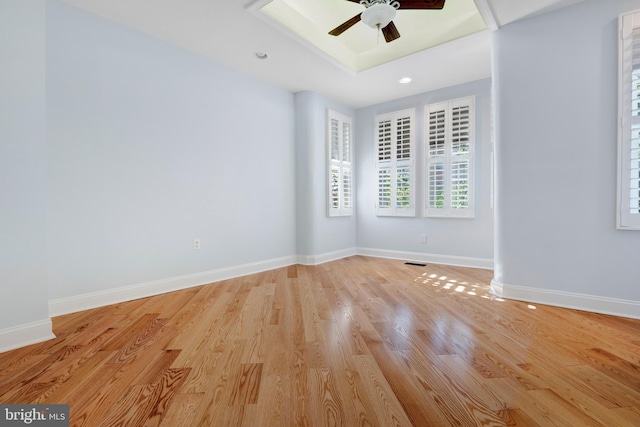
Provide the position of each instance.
(262, 55)
(405, 80)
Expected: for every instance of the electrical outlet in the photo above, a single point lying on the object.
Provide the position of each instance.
(423, 238)
(196, 243)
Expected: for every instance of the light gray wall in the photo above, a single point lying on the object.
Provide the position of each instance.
(318, 234)
(471, 238)
(22, 164)
(556, 113)
(151, 147)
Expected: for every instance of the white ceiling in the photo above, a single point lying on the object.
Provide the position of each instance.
(232, 31)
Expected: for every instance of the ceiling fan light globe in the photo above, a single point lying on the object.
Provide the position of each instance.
(378, 15)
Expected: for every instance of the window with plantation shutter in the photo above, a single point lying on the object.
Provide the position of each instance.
(628, 200)
(449, 144)
(395, 169)
(339, 136)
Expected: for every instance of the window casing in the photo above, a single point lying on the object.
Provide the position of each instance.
(395, 168)
(449, 158)
(628, 180)
(340, 159)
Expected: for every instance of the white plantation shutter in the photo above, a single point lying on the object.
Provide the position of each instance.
(628, 206)
(449, 144)
(384, 140)
(403, 137)
(346, 141)
(346, 188)
(334, 129)
(339, 135)
(334, 197)
(436, 185)
(436, 119)
(460, 147)
(384, 188)
(395, 163)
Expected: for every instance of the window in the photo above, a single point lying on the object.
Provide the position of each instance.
(628, 205)
(449, 147)
(339, 164)
(395, 168)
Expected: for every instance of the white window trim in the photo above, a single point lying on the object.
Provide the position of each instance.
(394, 164)
(342, 205)
(625, 219)
(447, 159)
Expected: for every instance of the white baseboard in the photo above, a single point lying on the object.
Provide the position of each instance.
(327, 257)
(428, 258)
(60, 306)
(73, 304)
(26, 334)
(584, 302)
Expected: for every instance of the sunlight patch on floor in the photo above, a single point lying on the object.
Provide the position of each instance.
(461, 287)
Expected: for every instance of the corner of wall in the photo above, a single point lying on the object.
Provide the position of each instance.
(24, 335)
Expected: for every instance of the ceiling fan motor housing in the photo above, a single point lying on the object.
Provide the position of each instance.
(368, 3)
(379, 13)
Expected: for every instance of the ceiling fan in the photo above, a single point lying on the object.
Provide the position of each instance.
(380, 13)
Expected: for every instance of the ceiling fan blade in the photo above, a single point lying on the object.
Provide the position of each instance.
(390, 32)
(421, 4)
(345, 26)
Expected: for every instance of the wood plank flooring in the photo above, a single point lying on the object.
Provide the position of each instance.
(355, 342)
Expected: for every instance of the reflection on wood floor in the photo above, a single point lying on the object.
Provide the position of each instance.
(355, 342)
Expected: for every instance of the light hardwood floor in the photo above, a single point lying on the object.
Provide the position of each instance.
(355, 342)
